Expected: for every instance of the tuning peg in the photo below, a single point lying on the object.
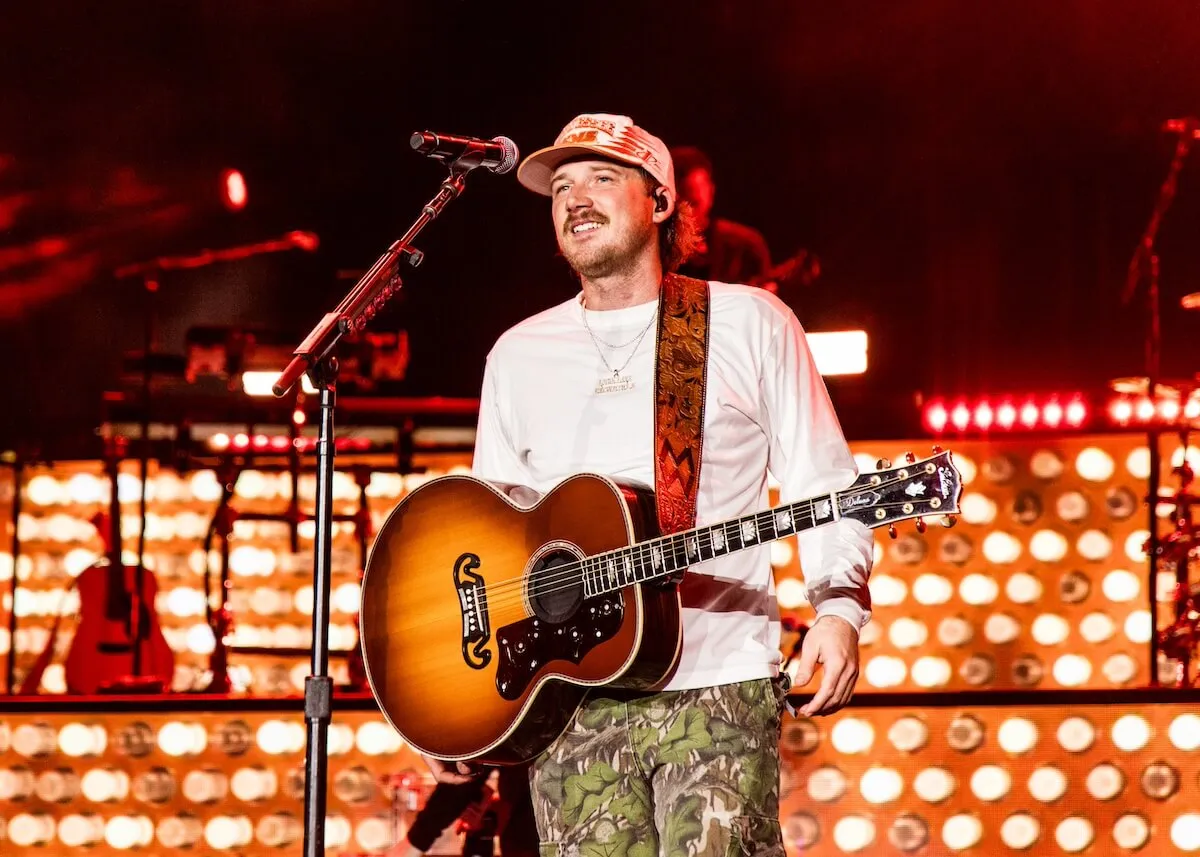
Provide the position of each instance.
(892, 531)
(920, 525)
(909, 457)
(883, 464)
(937, 450)
(949, 521)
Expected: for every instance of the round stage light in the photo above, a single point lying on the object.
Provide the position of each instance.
(978, 589)
(990, 783)
(852, 735)
(1131, 733)
(853, 833)
(1160, 781)
(908, 734)
(1074, 833)
(977, 509)
(954, 631)
(1023, 588)
(1020, 831)
(1072, 670)
(1047, 784)
(1185, 832)
(932, 589)
(1094, 546)
(1105, 781)
(1000, 628)
(961, 832)
(1094, 464)
(1017, 735)
(965, 733)
(934, 785)
(1001, 548)
(906, 633)
(1048, 546)
(1097, 627)
(930, 671)
(909, 833)
(826, 784)
(1076, 734)
(880, 785)
(1050, 629)
(1184, 732)
(1131, 831)
(887, 591)
(885, 671)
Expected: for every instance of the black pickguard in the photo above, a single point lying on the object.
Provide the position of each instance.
(528, 645)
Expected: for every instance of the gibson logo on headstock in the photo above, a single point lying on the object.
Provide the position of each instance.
(945, 482)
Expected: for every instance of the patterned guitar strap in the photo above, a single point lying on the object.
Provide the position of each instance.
(681, 370)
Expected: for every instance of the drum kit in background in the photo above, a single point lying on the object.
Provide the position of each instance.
(1174, 549)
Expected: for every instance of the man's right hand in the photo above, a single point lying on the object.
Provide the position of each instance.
(452, 773)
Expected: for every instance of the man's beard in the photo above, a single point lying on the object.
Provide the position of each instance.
(608, 258)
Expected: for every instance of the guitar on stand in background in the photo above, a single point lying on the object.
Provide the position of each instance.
(119, 643)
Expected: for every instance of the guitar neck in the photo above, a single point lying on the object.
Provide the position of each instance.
(666, 555)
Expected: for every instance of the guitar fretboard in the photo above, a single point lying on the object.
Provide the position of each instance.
(665, 555)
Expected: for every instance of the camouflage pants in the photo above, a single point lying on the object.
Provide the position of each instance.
(691, 773)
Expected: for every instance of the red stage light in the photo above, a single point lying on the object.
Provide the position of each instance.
(1121, 410)
(1076, 412)
(1169, 409)
(960, 416)
(1145, 410)
(936, 416)
(233, 190)
(1006, 415)
(219, 442)
(1029, 414)
(1052, 414)
(241, 441)
(984, 415)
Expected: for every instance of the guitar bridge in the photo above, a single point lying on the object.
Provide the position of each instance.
(476, 630)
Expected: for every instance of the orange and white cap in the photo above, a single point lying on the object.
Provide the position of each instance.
(602, 135)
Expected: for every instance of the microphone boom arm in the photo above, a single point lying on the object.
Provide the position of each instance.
(371, 292)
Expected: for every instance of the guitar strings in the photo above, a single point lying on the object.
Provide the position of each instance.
(571, 574)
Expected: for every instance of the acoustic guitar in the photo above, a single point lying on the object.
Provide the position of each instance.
(484, 623)
(102, 652)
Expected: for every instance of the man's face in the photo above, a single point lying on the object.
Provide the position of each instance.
(697, 189)
(603, 216)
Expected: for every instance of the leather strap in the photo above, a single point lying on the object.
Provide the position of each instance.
(681, 370)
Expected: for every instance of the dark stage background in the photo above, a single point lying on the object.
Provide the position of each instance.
(973, 176)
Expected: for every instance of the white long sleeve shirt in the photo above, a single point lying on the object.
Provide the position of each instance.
(766, 408)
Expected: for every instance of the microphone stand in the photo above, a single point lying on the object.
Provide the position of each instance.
(315, 357)
(1145, 261)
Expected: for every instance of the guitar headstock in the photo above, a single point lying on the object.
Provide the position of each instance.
(931, 486)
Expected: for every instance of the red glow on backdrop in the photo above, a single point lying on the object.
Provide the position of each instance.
(234, 190)
(1054, 411)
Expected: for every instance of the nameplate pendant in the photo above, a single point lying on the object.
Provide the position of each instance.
(614, 383)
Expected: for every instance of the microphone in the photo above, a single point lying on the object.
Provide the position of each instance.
(498, 154)
(1189, 126)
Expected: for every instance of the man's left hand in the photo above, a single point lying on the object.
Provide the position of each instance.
(831, 642)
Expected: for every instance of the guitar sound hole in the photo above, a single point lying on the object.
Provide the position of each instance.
(554, 593)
